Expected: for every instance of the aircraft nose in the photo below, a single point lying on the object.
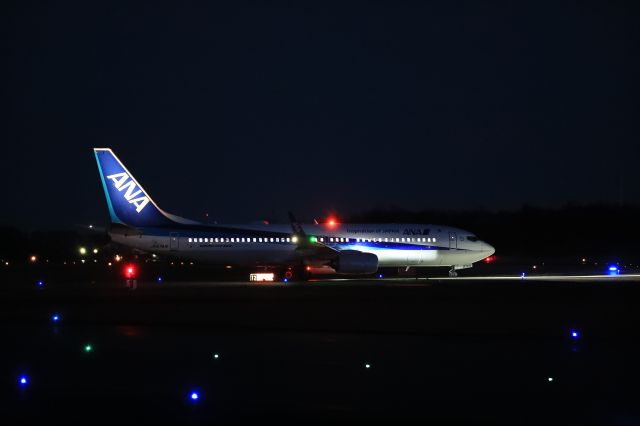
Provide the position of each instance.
(488, 249)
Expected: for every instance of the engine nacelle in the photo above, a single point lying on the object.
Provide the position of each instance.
(355, 262)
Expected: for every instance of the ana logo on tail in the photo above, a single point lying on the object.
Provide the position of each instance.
(122, 181)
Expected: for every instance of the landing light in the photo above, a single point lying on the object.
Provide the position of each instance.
(82, 251)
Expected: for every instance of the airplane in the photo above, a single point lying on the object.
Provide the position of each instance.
(342, 248)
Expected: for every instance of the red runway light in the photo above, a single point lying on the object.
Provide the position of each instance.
(130, 271)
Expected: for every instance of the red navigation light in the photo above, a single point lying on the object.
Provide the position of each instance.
(130, 271)
(308, 268)
(489, 259)
(332, 222)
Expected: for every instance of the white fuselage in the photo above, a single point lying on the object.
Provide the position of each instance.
(395, 245)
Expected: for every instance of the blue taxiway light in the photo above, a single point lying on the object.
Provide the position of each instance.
(40, 284)
(194, 396)
(159, 279)
(285, 280)
(55, 317)
(575, 334)
(379, 275)
(613, 270)
(23, 380)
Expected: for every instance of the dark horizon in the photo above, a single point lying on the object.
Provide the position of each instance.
(246, 111)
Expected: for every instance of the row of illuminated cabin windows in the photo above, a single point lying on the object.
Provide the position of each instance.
(244, 240)
(399, 240)
(321, 239)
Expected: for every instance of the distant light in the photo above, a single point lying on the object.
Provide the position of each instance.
(550, 379)
(88, 348)
(55, 317)
(294, 239)
(118, 258)
(82, 260)
(109, 263)
(23, 380)
(216, 356)
(154, 255)
(82, 251)
(33, 258)
(95, 251)
(194, 396)
(367, 366)
(584, 260)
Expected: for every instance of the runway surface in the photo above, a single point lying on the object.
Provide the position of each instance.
(453, 351)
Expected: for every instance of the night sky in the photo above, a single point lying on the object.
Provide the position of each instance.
(249, 110)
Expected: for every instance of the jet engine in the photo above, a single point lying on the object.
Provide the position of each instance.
(355, 262)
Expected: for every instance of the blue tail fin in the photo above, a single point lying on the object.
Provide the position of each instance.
(129, 203)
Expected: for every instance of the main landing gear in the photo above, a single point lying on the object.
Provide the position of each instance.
(452, 272)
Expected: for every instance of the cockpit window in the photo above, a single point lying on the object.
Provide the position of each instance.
(472, 238)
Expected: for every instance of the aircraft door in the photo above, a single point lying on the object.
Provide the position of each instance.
(453, 240)
(174, 239)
